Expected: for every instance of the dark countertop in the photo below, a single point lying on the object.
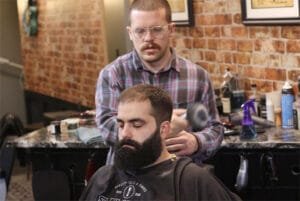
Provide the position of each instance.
(272, 138)
(42, 138)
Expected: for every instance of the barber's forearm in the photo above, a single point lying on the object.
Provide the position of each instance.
(209, 141)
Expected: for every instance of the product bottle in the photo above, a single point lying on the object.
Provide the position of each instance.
(262, 109)
(297, 108)
(287, 99)
(270, 110)
(226, 90)
(226, 104)
(248, 130)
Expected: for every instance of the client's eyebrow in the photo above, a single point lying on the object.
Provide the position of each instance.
(134, 120)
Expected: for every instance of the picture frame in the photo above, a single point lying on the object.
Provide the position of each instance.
(270, 12)
(182, 12)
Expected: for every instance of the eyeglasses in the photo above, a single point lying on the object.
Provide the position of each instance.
(155, 31)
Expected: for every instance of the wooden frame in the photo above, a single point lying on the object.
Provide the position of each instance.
(182, 12)
(272, 12)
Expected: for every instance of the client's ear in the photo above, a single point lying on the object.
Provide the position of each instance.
(165, 129)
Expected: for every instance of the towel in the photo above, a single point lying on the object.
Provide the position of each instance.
(89, 135)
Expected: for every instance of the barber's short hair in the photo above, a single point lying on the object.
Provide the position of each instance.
(151, 5)
(161, 102)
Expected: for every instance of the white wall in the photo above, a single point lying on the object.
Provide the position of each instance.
(11, 83)
(115, 24)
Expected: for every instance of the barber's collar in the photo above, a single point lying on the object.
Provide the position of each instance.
(172, 64)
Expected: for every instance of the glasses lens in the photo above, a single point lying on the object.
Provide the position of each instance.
(140, 32)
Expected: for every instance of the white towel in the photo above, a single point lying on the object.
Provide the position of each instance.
(3, 189)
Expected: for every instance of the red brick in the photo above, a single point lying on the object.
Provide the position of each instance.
(197, 32)
(227, 44)
(212, 31)
(239, 32)
(279, 46)
(275, 74)
(291, 32)
(245, 45)
(210, 56)
(264, 86)
(223, 19)
(198, 7)
(199, 43)
(213, 44)
(241, 58)
(293, 46)
(259, 32)
(252, 72)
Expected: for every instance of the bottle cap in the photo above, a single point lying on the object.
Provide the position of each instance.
(287, 85)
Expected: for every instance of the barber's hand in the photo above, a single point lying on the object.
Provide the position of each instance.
(183, 144)
(178, 123)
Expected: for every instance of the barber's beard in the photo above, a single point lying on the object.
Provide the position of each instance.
(128, 158)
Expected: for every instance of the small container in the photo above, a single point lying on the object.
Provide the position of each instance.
(278, 120)
(237, 99)
(55, 127)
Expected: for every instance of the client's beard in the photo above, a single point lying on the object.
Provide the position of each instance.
(142, 155)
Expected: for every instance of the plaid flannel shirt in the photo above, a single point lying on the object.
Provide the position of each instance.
(185, 82)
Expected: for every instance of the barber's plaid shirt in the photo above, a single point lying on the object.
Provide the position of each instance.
(185, 82)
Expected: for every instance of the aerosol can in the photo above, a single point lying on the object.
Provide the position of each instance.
(248, 130)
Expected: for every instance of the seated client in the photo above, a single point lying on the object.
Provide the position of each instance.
(143, 168)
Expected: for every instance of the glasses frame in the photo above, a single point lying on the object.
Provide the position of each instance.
(150, 29)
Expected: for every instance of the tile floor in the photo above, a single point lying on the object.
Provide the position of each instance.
(20, 185)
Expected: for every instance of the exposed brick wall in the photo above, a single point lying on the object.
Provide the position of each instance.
(265, 55)
(64, 59)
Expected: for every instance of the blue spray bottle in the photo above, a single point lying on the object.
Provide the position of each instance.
(248, 130)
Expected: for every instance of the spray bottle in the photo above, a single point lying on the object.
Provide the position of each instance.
(248, 130)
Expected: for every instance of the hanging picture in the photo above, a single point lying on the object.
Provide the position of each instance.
(182, 12)
(270, 11)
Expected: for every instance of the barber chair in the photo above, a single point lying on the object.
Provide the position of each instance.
(10, 124)
(50, 185)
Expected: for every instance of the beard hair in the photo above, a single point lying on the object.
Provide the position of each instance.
(141, 155)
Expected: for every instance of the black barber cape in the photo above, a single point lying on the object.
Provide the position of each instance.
(174, 179)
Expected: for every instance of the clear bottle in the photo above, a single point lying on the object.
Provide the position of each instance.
(226, 103)
(270, 110)
(255, 96)
(248, 130)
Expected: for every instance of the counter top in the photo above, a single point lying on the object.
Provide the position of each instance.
(42, 138)
(272, 138)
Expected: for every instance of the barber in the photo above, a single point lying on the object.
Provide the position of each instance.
(153, 61)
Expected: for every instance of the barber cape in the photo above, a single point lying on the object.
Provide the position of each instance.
(173, 179)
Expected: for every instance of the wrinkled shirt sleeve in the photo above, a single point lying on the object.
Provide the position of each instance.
(210, 137)
(107, 94)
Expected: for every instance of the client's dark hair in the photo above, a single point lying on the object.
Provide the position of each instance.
(161, 102)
